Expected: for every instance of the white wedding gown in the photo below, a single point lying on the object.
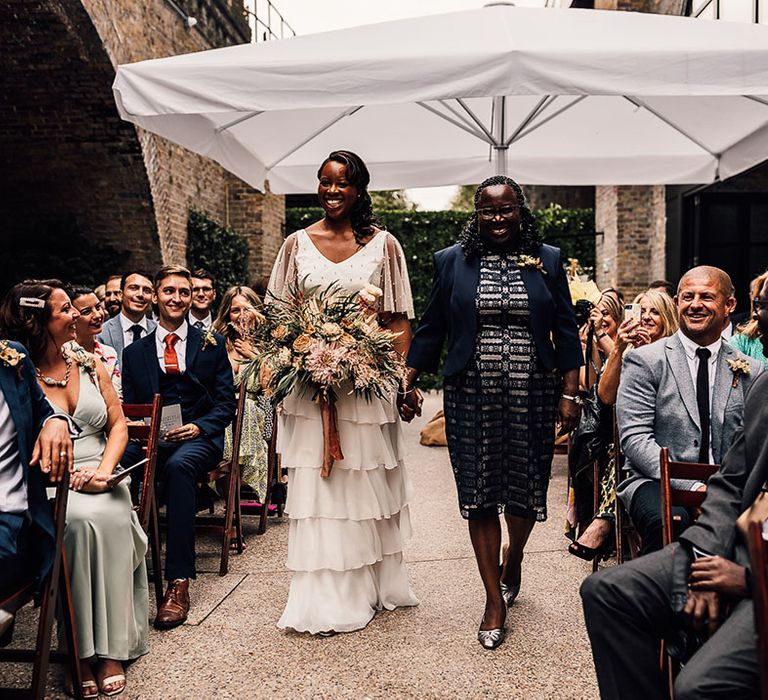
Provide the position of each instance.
(347, 532)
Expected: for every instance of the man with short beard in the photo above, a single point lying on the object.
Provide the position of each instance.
(701, 584)
(682, 393)
(113, 295)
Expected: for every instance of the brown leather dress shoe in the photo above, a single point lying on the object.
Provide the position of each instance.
(175, 606)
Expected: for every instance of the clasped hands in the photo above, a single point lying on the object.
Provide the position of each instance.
(699, 586)
(409, 404)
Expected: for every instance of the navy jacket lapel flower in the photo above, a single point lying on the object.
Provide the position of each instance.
(209, 340)
(11, 357)
(528, 262)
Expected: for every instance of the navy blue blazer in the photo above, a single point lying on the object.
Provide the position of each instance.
(451, 312)
(210, 372)
(30, 409)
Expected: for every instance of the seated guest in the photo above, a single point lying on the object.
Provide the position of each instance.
(604, 321)
(189, 369)
(658, 319)
(203, 296)
(747, 338)
(237, 314)
(682, 393)
(662, 286)
(103, 541)
(113, 295)
(34, 450)
(630, 608)
(132, 322)
(89, 325)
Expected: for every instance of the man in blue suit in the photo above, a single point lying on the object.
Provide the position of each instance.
(190, 369)
(35, 448)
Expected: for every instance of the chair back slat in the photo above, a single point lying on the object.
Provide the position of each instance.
(671, 496)
(148, 436)
(758, 557)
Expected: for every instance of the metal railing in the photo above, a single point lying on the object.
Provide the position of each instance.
(267, 22)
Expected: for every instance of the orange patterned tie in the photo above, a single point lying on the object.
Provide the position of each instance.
(169, 356)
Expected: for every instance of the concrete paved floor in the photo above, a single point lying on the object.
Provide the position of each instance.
(230, 647)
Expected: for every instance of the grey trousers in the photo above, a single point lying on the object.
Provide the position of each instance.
(627, 613)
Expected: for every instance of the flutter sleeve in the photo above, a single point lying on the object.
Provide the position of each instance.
(284, 271)
(394, 282)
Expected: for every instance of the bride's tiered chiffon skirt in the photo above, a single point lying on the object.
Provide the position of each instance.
(347, 532)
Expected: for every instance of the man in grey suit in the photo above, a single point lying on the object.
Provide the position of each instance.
(690, 584)
(682, 393)
(131, 323)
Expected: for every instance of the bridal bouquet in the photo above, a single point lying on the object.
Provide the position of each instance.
(326, 341)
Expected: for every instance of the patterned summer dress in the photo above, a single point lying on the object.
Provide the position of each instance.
(500, 411)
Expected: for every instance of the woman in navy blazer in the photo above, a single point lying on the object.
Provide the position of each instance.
(500, 298)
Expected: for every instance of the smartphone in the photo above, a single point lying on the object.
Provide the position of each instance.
(632, 312)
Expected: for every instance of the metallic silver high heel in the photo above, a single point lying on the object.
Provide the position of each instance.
(509, 593)
(490, 639)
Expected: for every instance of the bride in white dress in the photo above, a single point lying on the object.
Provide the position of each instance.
(347, 532)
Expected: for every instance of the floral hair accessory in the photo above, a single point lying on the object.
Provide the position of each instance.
(32, 302)
(739, 367)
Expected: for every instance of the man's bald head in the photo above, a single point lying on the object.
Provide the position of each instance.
(714, 274)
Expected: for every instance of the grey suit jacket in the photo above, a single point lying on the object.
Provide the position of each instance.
(112, 334)
(656, 407)
(736, 485)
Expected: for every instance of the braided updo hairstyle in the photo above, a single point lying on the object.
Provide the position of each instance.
(529, 242)
(363, 222)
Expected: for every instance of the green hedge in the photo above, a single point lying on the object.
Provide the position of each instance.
(218, 249)
(421, 233)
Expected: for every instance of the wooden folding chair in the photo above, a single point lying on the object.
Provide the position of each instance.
(758, 556)
(227, 473)
(148, 436)
(56, 590)
(670, 496)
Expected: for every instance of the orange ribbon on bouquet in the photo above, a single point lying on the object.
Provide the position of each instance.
(331, 440)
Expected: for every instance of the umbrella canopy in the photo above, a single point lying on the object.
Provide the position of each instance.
(567, 97)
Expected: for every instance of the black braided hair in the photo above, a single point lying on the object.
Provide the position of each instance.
(363, 222)
(530, 240)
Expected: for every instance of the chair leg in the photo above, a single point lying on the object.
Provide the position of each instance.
(238, 515)
(155, 551)
(70, 633)
(265, 502)
(226, 539)
(44, 630)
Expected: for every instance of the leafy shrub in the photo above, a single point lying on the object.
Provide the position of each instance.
(421, 233)
(218, 249)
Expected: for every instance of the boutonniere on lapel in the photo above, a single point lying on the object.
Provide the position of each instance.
(739, 368)
(84, 359)
(10, 357)
(528, 262)
(209, 340)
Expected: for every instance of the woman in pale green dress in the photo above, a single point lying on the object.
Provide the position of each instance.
(237, 314)
(103, 541)
(747, 337)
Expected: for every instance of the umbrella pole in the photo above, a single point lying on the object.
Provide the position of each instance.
(501, 159)
(499, 133)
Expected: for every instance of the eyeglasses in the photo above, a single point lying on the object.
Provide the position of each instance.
(759, 304)
(488, 213)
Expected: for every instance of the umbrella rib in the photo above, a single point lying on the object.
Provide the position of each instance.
(538, 109)
(533, 128)
(237, 121)
(755, 98)
(346, 113)
(461, 118)
(477, 121)
(455, 122)
(639, 103)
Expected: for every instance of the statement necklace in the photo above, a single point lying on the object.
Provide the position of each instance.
(49, 381)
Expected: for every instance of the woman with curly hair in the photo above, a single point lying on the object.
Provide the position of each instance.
(103, 540)
(345, 542)
(500, 298)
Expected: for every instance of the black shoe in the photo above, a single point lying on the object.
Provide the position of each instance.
(589, 553)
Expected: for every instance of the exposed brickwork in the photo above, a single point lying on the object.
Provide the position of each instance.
(66, 154)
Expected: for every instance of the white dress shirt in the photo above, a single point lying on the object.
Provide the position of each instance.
(181, 345)
(207, 321)
(690, 348)
(126, 324)
(13, 487)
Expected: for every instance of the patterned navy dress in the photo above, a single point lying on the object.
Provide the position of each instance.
(500, 410)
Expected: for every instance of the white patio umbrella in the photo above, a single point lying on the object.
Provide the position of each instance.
(549, 96)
